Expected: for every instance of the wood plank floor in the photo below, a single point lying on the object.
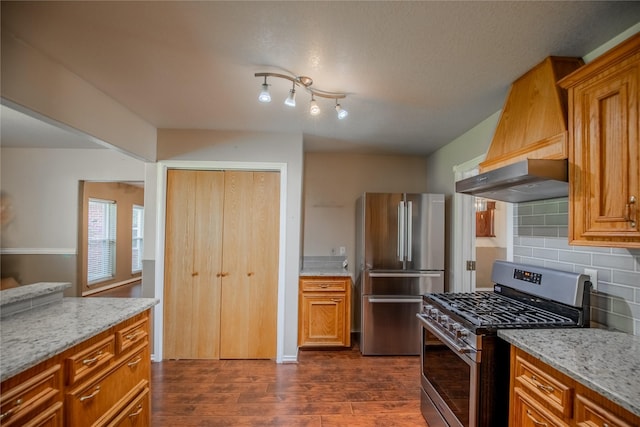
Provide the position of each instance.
(325, 388)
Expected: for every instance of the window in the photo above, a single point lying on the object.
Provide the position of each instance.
(101, 260)
(137, 227)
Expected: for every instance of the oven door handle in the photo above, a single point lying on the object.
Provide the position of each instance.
(401, 275)
(442, 337)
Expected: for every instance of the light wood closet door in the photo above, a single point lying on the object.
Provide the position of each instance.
(193, 259)
(250, 265)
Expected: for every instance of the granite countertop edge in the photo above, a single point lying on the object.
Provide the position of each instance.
(308, 272)
(608, 362)
(31, 337)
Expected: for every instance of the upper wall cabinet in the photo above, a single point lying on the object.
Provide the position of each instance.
(604, 150)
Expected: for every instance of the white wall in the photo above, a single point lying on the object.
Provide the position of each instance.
(231, 150)
(43, 185)
(35, 82)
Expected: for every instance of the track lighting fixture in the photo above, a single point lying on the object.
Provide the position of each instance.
(291, 99)
(264, 96)
(304, 82)
(342, 113)
(314, 110)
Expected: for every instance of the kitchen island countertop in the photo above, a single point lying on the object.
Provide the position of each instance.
(605, 361)
(33, 336)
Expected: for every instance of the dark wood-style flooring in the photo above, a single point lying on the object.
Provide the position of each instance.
(325, 388)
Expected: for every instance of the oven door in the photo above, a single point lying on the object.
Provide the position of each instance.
(449, 379)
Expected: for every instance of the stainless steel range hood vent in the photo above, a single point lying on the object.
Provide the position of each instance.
(524, 181)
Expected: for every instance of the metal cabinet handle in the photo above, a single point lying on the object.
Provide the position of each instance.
(93, 359)
(133, 336)
(535, 422)
(547, 388)
(134, 362)
(630, 211)
(10, 412)
(92, 395)
(135, 414)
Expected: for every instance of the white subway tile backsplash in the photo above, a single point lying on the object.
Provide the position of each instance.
(613, 261)
(540, 238)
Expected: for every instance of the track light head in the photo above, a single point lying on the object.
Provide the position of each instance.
(264, 96)
(342, 113)
(314, 110)
(291, 99)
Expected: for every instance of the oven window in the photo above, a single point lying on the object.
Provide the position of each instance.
(449, 375)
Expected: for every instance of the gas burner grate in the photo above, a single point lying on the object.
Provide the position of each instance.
(485, 308)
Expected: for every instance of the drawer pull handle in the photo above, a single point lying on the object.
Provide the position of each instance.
(93, 359)
(10, 412)
(542, 387)
(92, 395)
(134, 362)
(133, 336)
(535, 422)
(135, 414)
(324, 285)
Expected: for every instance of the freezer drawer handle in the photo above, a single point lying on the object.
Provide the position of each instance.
(400, 275)
(396, 300)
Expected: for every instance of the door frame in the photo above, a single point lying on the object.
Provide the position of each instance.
(464, 230)
(161, 200)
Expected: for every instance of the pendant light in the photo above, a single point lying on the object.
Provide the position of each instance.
(291, 99)
(314, 110)
(264, 96)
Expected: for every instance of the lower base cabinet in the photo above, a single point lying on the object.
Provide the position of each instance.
(103, 381)
(324, 312)
(541, 396)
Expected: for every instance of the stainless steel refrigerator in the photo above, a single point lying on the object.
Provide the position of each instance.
(400, 257)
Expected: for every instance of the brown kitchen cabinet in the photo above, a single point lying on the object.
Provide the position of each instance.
(94, 383)
(542, 396)
(604, 149)
(325, 312)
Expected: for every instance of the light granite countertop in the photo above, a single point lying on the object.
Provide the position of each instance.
(605, 361)
(33, 336)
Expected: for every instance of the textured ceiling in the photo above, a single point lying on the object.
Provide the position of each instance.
(417, 74)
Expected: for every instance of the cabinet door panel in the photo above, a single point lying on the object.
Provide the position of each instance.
(179, 249)
(207, 259)
(250, 265)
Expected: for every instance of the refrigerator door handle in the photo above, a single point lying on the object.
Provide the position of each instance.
(401, 232)
(395, 300)
(400, 275)
(409, 229)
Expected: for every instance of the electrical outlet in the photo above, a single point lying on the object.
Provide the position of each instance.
(593, 273)
(343, 250)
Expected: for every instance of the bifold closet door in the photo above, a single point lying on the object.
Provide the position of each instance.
(193, 261)
(250, 265)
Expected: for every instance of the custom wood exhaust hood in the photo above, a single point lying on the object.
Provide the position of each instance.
(527, 156)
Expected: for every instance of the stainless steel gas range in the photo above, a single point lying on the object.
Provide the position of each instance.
(465, 366)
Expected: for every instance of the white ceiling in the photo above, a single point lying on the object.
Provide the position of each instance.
(418, 74)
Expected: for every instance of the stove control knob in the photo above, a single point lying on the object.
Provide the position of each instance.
(443, 319)
(454, 326)
(427, 308)
(433, 313)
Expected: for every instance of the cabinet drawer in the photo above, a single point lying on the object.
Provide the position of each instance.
(548, 389)
(50, 417)
(136, 414)
(132, 335)
(23, 402)
(320, 284)
(528, 413)
(590, 414)
(86, 404)
(89, 361)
